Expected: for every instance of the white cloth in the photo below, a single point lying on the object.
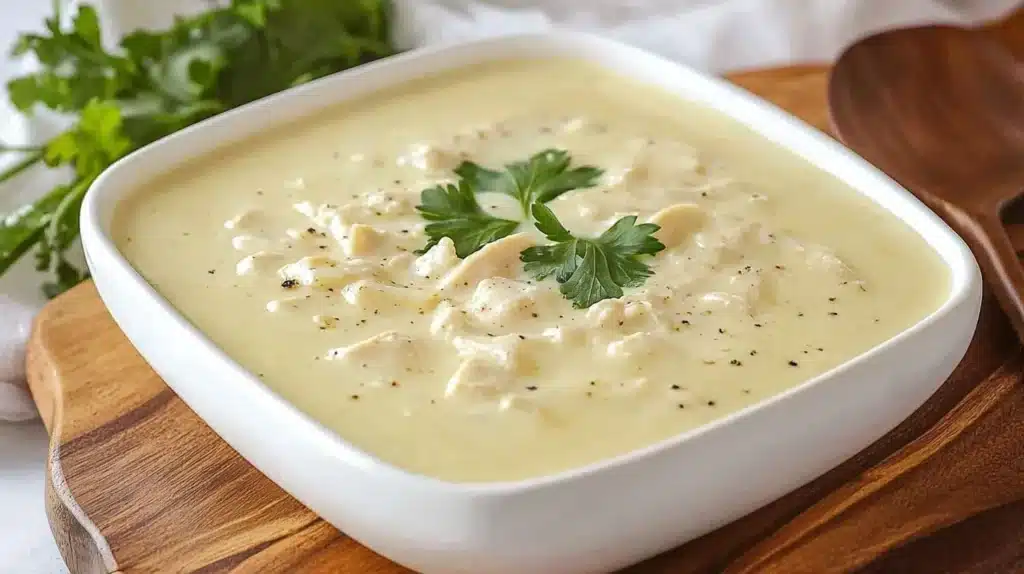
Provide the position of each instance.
(715, 35)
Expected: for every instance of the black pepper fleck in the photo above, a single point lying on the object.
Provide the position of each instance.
(736, 363)
(354, 397)
(711, 403)
(794, 364)
(675, 387)
(289, 283)
(531, 388)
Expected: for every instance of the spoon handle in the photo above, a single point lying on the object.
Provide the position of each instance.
(997, 257)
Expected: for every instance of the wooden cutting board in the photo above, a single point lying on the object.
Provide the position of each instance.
(137, 483)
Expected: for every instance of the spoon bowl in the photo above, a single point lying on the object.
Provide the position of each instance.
(941, 110)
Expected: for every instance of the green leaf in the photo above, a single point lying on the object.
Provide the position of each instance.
(543, 177)
(86, 25)
(591, 281)
(590, 270)
(93, 144)
(165, 80)
(631, 239)
(21, 229)
(548, 224)
(455, 213)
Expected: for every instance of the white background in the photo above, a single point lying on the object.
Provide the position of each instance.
(26, 546)
(711, 34)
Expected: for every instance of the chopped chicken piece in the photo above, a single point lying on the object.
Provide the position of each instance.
(678, 222)
(634, 345)
(260, 260)
(293, 302)
(623, 315)
(369, 294)
(362, 240)
(478, 377)
(243, 220)
(506, 351)
(437, 260)
(247, 242)
(325, 321)
(429, 157)
(389, 351)
(447, 320)
(324, 272)
(388, 202)
(497, 259)
(498, 300)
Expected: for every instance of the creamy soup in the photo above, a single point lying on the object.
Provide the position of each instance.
(297, 253)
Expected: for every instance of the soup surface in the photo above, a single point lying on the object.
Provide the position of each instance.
(296, 252)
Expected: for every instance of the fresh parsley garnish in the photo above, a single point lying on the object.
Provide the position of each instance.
(159, 82)
(454, 213)
(590, 270)
(543, 177)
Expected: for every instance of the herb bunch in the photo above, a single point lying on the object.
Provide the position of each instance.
(157, 83)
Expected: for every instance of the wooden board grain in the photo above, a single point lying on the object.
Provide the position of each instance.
(137, 483)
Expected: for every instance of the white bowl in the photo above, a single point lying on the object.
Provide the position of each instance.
(593, 519)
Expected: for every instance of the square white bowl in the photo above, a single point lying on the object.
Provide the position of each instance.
(596, 518)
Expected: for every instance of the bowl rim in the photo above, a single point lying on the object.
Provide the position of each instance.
(965, 283)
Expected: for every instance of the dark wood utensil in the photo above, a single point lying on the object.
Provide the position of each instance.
(941, 110)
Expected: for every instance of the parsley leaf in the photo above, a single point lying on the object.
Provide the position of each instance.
(455, 213)
(159, 82)
(590, 270)
(543, 177)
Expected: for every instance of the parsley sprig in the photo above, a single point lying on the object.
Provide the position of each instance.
(539, 179)
(590, 270)
(454, 213)
(159, 82)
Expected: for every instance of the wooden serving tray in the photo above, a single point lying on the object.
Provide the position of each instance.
(137, 483)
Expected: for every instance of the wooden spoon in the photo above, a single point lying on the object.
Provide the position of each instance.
(941, 110)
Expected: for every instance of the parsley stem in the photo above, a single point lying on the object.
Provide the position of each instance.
(31, 160)
(4, 148)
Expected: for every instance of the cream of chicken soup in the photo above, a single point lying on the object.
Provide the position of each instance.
(522, 267)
